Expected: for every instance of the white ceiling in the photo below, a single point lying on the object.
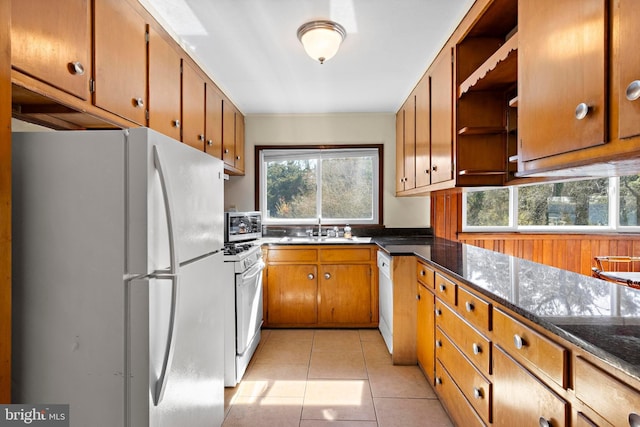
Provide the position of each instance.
(251, 50)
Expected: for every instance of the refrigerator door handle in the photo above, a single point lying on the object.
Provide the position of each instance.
(167, 196)
(167, 360)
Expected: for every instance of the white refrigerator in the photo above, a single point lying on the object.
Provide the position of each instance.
(117, 259)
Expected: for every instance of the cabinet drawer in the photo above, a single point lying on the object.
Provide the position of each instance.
(425, 275)
(292, 255)
(473, 344)
(521, 399)
(469, 380)
(450, 395)
(606, 395)
(477, 311)
(445, 289)
(524, 343)
(351, 254)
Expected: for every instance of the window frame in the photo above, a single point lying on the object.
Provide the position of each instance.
(513, 227)
(378, 203)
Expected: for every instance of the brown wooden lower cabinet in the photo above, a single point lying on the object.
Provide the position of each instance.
(425, 340)
(457, 405)
(311, 286)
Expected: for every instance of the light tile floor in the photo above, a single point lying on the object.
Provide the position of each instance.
(329, 377)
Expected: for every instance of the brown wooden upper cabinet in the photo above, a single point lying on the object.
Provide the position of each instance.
(441, 117)
(193, 104)
(422, 133)
(120, 55)
(53, 43)
(238, 162)
(213, 121)
(629, 69)
(228, 133)
(406, 146)
(164, 86)
(562, 58)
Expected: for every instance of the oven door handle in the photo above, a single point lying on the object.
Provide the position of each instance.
(250, 274)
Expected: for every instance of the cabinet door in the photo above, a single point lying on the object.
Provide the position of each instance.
(192, 107)
(344, 294)
(520, 399)
(239, 142)
(292, 294)
(423, 134)
(410, 143)
(120, 56)
(425, 332)
(52, 43)
(400, 150)
(228, 133)
(164, 86)
(213, 121)
(561, 66)
(441, 86)
(629, 63)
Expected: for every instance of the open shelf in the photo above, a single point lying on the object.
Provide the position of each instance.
(498, 71)
(482, 130)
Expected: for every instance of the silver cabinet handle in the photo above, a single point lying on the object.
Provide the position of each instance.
(634, 420)
(543, 422)
(477, 393)
(438, 343)
(201, 137)
(633, 90)
(426, 171)
(237, 157)
(518, 341)
(434, 168)
(327, 276)
(443, 287)
(176, 124)
(423, 273)
(76, 68)
(226, 150)
(476, 349)
(438, 380)
(582, 110)
(310, 276)
(418, 297)
(438, 312)
(469, 306)
(138, 102)
(209, 142)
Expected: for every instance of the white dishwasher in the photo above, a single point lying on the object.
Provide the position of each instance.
(385, 291)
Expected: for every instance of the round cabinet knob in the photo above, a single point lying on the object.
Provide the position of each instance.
(469, 306)
(201, 137)
(438, 343)
(543, 422)
(518, 341)
(477, 393)
(426, 171)
(226, 151)
(237, 157)
(633, 90)
(438, 312)
(443, 287)
(327, 276)
(76, 68)
(310, 276)
(423, 273)
(438, 380)
(138, 102)
(176, 124)
(476, 348)
(634, 420)
(209, 142)
(582, 110)
(434, 168)
(418, 297)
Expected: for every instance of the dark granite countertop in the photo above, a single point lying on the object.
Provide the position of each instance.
(601, 317)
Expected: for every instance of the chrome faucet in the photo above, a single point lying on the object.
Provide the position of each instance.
(319, 226)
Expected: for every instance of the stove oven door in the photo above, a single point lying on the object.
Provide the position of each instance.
(248, 306)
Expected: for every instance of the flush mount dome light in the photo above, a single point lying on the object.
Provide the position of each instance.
(321, 39)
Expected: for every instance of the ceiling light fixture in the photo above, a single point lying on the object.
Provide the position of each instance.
(321, 39)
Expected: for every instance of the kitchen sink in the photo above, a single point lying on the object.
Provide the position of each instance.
(325, 240)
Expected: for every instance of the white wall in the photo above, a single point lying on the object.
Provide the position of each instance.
(345, 128)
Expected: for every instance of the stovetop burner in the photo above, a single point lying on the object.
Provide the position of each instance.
(237, 248)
